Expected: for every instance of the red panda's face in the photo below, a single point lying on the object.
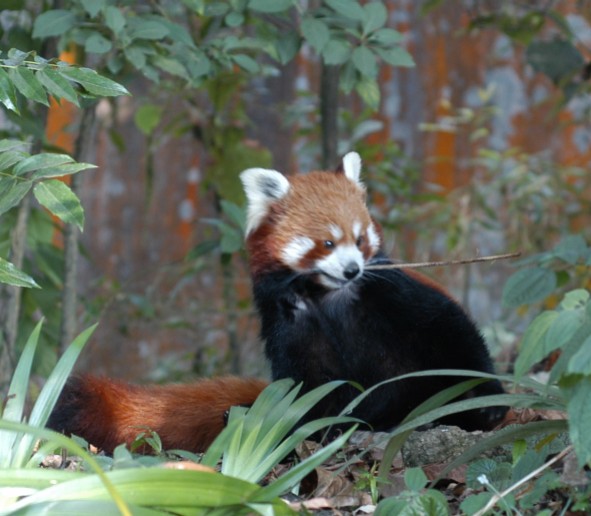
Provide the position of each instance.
(314, 223)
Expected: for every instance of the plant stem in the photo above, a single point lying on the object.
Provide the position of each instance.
(329, 110)
(68, 329)
(12, 294)
(491, 503)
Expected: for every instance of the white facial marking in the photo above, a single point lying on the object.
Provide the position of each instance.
(296, 250)
(352, 167)
(357, 229)
(334, 265)
(373, 237)
(335, 231)
(263, 187)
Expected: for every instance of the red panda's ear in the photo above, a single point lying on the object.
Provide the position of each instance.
(352, 167)
(262, 187)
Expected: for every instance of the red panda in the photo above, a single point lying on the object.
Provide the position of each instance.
(326, 316)
(189, 417)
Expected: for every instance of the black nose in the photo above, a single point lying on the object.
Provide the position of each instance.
(351, 270)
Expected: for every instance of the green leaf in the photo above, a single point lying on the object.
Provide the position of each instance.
(528, 286)
(147, 118)
(288, 46)
(270, 6)
(496, 473)
(12, 192)
(10, 275)
(415, 479)
(7, 92)
(246, 63)
(93, 7)
(96, 43)
(347, 8)
(9, 145)
(579, 416)
(315, 32)
(336, 51)
(369, 91)
(532, 346)
(114, 19)
(575, 299)
(386, 37)
(571, 249)
(53, 23)
(473, 504)
(375, 18)
(171, 66)
(365, 62)
(558, 59)
(94, 83)
(569, 350)
(57, 85)
(396, 56)
(140, 28)
(9, 158)
(27, 84)
(63, 170)
(40, 161)
(16, 397)
(59, 199)
(235, 213)
(580, 363)
(562, 329)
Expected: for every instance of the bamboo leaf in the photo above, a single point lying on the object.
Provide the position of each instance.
(10, 275)
(57, 85)
(59, 199)
(27, 84)
(40, 161)
(93, 82)
(7, 93)
(12, 191)
(17, 394)
(50, 393)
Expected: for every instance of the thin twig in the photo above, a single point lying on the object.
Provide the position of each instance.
(418, 265)
(492, 502)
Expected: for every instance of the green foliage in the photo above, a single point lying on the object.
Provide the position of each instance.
(559, 59)
(566, 262)
(16, 447)
(34, 77)
(567, 328)
(254, 441)
(19, 173)
(258, 438)
(416, 500)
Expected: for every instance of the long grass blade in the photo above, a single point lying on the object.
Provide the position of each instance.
(75, 449)
(297, 473)
(17, 394)
(50, 393)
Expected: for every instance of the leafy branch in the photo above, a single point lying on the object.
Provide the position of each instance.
(34, 78)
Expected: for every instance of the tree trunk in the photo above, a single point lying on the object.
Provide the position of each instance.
(329, 112)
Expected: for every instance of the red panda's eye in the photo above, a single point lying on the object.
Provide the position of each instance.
(329, 244)
(359, 241)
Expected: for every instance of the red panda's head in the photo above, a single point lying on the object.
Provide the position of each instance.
(311, 223)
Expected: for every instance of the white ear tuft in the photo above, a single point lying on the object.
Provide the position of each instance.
(352, 167)
(263, 187)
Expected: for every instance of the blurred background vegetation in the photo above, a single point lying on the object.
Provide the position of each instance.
(472, 118)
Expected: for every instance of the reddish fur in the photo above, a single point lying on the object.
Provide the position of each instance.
(188, 417)
(315, 201)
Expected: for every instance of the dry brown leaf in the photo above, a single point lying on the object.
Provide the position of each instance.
(188, 465)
